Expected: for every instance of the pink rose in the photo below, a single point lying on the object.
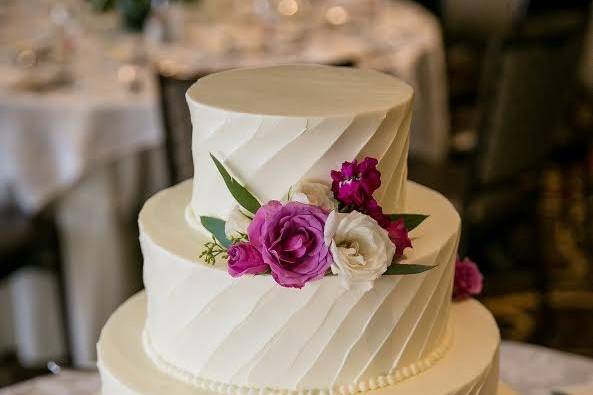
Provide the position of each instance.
(355, 183)
(290, 239)
(245, 259)
(254, 230)
(468, 279)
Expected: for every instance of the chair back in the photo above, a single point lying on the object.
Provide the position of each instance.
(529, 81)
(177, 125)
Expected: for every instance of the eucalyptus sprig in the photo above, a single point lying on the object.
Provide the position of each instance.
(212, 250)
(239, 192)
(239, 237)
(216, 227)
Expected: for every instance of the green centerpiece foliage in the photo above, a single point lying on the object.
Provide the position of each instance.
(134, 13)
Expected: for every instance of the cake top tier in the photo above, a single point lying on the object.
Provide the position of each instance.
(275, 127)
(300, 91)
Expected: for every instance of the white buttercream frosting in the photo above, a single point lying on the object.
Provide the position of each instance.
(373, 383)
(469, 367)
(249, 332)
(275, 126)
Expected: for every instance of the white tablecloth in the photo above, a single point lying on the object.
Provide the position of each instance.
(529, 370)
(49, 140)
(534, 370)
(98, 234)
(84, 147)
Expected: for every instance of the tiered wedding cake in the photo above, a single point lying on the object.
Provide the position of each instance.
(197, 329)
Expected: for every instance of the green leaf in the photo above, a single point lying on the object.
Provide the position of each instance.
(411, 221)
(216, 227)
(239, 192)
(403, 269)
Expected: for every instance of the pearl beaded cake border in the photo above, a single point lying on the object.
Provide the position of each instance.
(374, 383)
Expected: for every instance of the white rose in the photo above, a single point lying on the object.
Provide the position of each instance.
(314, 193)
(361, 249)
(236, 223)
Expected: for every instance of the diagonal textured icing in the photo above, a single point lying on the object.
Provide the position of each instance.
(210, 329)
(196, 330)
(275, 126)
(468, 367)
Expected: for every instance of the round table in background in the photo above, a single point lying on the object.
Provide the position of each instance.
(403, 39)
(85, 148)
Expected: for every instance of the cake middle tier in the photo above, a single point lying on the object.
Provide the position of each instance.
(275, 126)
(215, 331)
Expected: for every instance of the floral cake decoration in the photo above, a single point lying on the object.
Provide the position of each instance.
(321, 229)
(468, 280)
(335, 228)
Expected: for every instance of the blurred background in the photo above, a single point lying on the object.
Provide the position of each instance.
(93, 121)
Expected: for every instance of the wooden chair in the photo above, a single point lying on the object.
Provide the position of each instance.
(33, 241)
(529, 83)
(177, 124)
(528, 86)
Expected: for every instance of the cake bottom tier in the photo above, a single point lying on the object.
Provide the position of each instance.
(470, 367)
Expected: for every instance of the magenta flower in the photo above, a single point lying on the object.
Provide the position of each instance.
(245, 259)
(354, 186)
(290, 239)
(254, 230)
(468, 279)
(398, 234)
(355, 183)
(373, 210)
